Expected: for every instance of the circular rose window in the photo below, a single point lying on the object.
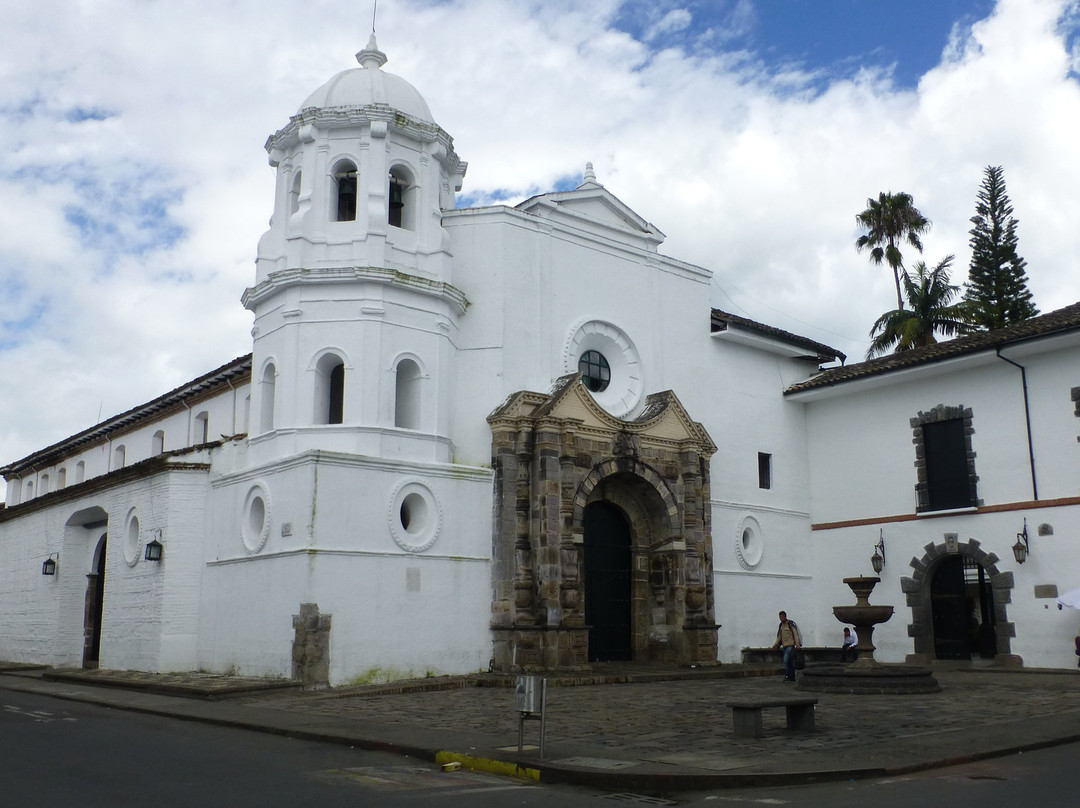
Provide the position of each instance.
(609, 365)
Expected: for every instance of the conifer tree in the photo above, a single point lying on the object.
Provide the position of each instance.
(996, 291)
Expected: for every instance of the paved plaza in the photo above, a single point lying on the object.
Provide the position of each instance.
(655, 730)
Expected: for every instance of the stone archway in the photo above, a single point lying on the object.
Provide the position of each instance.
(917, 589)
(553, 456)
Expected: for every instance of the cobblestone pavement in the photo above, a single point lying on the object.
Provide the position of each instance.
(661, 720)
(675, 728)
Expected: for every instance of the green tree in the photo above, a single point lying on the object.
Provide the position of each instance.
(930, 296)
(996, 289)
(889, 221)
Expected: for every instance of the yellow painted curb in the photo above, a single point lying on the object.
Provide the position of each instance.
(482, 764)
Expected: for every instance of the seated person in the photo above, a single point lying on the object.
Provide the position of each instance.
(847, 650)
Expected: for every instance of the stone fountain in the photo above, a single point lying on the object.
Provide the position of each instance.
(865, 674)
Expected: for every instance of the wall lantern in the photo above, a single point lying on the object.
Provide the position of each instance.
(154, 548)
(49, 566)
(877, 560)
(1021, 549)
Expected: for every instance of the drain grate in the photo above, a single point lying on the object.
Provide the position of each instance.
(639, 799)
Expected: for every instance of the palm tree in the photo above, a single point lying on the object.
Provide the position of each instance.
(890, 220)
(930, 296)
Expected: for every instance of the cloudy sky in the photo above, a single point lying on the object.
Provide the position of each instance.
(134, 185)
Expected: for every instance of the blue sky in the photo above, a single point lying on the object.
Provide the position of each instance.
(829, 38)
(134, 186)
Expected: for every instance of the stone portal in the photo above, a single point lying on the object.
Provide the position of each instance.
(556, 454)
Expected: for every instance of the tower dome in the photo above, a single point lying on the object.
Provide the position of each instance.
(355, 310)
(369, 84)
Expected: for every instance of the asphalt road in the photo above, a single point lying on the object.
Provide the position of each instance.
(1048, 778)
(61, 753)
(56, 753)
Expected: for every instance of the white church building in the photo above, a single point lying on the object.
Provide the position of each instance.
(521, 438)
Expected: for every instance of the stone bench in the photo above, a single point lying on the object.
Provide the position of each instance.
(746, 714)
(829, 655)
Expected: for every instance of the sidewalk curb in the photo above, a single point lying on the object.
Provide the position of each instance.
(485, 764)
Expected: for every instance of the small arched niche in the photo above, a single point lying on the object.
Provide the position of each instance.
(267, 395)
(407, 386)
(201, 428)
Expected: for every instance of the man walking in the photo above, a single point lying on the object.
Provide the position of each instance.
(788, 638)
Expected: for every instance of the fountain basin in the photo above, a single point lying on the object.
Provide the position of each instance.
(884, 680)
(862, 615)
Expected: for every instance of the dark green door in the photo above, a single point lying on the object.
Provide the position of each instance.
(607, 582)
(951, 612)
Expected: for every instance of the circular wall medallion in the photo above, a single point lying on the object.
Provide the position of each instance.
(414, 516)
(131, 539)
(749, 543)
(255, 518)
(592, 340)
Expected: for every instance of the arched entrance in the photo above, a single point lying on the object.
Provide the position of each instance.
(95, 601)
(959, 604)
(608, 591)
(602, 543)
(962, 606)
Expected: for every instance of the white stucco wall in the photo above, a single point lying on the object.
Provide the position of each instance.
(401, 602)
(149, 613)
(862, 463)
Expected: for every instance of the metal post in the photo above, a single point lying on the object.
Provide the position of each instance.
(530, 701)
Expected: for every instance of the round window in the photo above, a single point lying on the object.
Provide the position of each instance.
(749, 545)
(255, 518)
(595, 371)
(609, 364)
(414, 516)
(131, 539)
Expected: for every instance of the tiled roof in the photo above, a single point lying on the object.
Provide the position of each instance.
(1062, 320)
(196, 388)
(722, 319)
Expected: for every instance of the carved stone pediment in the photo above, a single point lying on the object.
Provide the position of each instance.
(570, 407)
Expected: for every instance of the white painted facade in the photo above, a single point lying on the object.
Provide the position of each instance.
(862, 460)
(347, 462)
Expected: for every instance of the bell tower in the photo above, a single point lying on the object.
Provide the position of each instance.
(355, 311)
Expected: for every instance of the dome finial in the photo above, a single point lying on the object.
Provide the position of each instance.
(371, 57)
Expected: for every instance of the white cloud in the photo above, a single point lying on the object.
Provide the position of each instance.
(159, 111)
(677, 19)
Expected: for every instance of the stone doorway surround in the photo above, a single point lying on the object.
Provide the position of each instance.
(554, 453)
(916, 589)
